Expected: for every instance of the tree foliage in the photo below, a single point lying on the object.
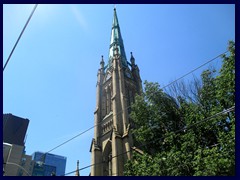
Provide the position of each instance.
(187, 135)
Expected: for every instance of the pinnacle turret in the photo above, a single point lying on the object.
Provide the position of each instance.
(102, 63)
(132, 59)
(77, 170)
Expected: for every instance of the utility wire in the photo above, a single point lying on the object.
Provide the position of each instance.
(11, 163)
(190, 126)
(19, 37)
(183, 164)
(130, 105)
(195, 69)
(113, 115)
(70, 139)
(182, 129)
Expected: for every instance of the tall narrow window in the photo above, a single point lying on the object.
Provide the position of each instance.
(110, 164)
(104, 104)
(110, 99)
(107, 100)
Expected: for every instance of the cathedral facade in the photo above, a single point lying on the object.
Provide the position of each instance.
(117, 84)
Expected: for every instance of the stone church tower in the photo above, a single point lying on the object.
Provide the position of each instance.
(117, 84)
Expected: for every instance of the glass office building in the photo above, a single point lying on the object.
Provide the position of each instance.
(51, 160)
(40, 169)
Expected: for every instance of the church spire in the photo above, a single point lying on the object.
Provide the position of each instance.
(116, 40)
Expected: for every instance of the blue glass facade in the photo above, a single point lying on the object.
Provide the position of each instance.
(52, 160)
(43, 170)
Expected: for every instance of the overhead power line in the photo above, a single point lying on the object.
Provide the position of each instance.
(19, 37)
(11, 163)
(70, 139)
(183, 164)
(81, 133)
(186, 163)
(150, 142)
(195, 69)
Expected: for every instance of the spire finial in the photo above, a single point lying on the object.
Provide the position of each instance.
(132, 59)
(102, 62)
(77, 171)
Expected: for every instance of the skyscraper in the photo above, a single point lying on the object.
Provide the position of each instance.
(51, 160)
(40, 169)
(117, 84)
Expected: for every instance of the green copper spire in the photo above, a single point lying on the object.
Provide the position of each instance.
(116, 39)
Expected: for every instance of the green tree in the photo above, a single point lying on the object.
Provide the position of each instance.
(154, 113)
(186, 135)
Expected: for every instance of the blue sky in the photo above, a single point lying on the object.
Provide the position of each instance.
(51, 77)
